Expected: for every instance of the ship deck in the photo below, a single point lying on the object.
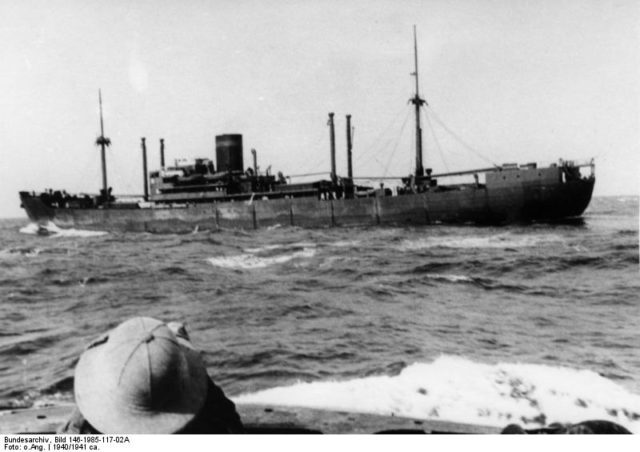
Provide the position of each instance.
(265, 419)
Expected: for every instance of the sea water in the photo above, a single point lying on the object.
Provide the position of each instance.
(530, 324)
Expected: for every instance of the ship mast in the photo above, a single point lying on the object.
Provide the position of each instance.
(417, 101)
(103, 142)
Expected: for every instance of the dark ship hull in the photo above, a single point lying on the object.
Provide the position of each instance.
(507, 196)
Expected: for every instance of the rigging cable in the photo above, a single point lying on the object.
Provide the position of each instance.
(435, 139)
(118, 170)
(90, 170)
(308, 174)
(386, 168)
(320, 158)
(460, 140)
(382, 148)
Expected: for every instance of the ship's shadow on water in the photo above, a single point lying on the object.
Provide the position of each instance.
(362, 319)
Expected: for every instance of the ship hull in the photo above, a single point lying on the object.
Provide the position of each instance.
(483, 204)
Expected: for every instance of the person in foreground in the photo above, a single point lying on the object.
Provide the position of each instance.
(144, 376)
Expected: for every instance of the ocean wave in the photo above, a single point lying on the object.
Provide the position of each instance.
(249, 261)
(26, 251)
(500, 241)
(278, 247)
(627, 199)
(450, 278)
(484, 283)
(51, 229)
(345, 243)
(457, 389)
(433, 266)
(26, 344)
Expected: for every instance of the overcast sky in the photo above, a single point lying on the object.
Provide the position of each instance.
(517, 81)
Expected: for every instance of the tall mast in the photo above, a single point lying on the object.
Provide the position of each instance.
(103, 142)
(417, 101)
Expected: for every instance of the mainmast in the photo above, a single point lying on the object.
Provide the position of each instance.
(103, 142)
(417, 101)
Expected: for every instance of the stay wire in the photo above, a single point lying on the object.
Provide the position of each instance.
(460, 140)
(320, 160)
(435, 139)
(377, 149)
(395, 148)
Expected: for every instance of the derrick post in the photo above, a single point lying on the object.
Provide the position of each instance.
(334, 177)
(255, 162)
(349, 159)
(162, 153)
(144, 170)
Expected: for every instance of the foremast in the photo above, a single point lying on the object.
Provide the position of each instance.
(417, 101)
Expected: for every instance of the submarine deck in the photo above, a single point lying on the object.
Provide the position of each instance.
(265, 419)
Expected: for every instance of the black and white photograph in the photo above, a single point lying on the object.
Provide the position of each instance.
(299, 217)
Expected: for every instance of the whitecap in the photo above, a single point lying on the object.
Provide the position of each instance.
(31, 228)
(249, 261)
(498, 241)
(51, 229)
(450, 278)
(279, 246)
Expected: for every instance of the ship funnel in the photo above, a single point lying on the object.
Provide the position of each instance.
(229, 152)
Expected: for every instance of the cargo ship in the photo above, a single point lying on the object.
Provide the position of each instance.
(205, 195)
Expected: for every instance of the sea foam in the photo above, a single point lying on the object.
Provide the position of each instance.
(278, 247)
(449, 278)
(53, 230)
(248, 261)
(499, 241)
(10, 253)
(459, 390)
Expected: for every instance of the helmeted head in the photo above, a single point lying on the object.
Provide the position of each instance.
(140, 378)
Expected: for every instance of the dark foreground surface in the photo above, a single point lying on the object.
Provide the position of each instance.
(264, 420)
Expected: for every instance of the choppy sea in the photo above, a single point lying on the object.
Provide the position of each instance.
(489, 325)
